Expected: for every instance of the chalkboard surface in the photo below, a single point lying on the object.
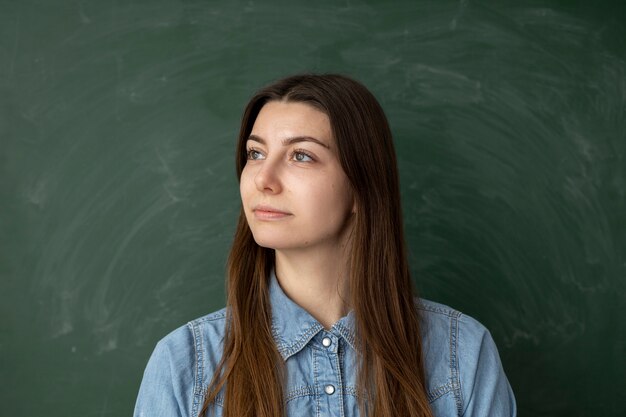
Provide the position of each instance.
(118, 196)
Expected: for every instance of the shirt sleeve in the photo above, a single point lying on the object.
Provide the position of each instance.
(485, 389)
(167, 386)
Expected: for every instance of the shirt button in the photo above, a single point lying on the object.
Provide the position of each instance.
(327, 342)
(329, 389)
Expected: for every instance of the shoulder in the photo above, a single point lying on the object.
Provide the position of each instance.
(200, 345)
(181, 367)
(208, 329)
(441, 323)
(206, 332)
(448, 336)
(462, 362)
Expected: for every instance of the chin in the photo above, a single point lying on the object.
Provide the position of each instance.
(270, 244)
(277, 242)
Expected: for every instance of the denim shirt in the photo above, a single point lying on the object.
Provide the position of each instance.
(464, 376)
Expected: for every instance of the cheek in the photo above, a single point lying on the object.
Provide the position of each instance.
(245, 184)
(333, 198)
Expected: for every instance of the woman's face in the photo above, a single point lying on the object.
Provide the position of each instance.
(294, 192)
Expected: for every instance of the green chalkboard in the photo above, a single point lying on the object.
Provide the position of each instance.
(118, 194)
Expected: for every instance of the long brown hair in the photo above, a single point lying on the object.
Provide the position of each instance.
(391, 367)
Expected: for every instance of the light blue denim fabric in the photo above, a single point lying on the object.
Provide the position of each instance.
(463, 370)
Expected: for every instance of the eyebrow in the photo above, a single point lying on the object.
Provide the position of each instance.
(292, 140)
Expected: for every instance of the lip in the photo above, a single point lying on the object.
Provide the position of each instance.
(263, 212)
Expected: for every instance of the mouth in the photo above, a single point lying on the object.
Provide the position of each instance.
(262, 212)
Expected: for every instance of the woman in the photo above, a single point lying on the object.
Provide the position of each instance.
(321, 319)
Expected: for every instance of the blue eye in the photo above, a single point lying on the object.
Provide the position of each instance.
(253, 154)
(301, 156)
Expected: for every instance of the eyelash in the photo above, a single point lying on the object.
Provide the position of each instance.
(303, 152)
(250, 151)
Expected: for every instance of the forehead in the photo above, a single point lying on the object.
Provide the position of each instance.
(280, 119)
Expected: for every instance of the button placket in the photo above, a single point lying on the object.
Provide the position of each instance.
(331, 402)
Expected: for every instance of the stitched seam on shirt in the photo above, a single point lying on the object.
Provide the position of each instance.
(439, 392)
(305, 391)
(199, 360)
(198, 385)
(301, 341)
(445, 311)
(317, 395)
(338, 364)
(310, 391)
(351, 390)
(280, 345)
(218, 315)
(199, 391)
(456, 386)
(198, 395)
(347, 334)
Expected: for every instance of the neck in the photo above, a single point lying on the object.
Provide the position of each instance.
(317, 280)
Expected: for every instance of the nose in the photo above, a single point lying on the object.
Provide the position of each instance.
(267, 178)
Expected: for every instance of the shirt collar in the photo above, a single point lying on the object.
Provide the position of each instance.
(293, 327)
